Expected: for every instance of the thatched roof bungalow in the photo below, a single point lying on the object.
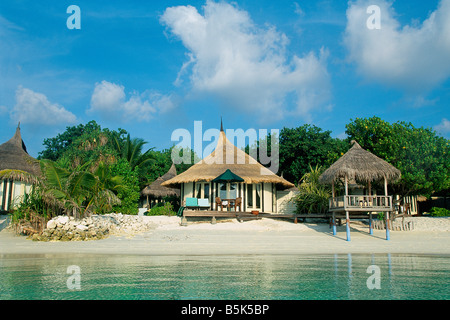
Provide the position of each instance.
(359, 165)
(156, 191)
(18, 170)
(258, 190)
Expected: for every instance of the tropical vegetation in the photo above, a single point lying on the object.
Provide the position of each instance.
(313, 196)
(88, 169)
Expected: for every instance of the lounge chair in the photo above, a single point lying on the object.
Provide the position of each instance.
(191, 203)
(204, 203)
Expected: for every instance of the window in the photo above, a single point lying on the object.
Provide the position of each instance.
(202, 190)
(258, 195)
(223, 191)
(250, 195)
(198, 190)
(254, 194)
(232, 193)
(206, 190)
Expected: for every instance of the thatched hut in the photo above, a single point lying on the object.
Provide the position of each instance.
(155, 191)
(18, 171)
(258, 191)
(359, 165)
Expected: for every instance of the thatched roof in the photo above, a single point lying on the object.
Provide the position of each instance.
(228, 156)
(360, 165)
(14, 156)
(156, 190)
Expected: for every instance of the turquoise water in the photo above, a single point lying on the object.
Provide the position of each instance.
(342, 276)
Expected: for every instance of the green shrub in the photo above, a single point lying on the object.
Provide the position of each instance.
(312, 196)
(439, 212)
(164, 210)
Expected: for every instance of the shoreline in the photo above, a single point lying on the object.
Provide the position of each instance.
(229, 237)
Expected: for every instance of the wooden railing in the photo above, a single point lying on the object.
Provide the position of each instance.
(361, 203)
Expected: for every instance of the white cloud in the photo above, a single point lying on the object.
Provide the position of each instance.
(109, 99)
(412, 57)
(34, 108)
(443, 127)
(232, 58)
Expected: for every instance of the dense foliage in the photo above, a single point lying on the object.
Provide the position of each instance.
(88, 169)
(312, 196)
(420, 154)
(307, 146)
(439, 212)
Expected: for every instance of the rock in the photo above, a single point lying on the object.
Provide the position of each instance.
(82, 227)
(51, 224)
(63, 220)
(96, 227)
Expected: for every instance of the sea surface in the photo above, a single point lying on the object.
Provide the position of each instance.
(247, 277)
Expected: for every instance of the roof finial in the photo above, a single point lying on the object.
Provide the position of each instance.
(221, 125)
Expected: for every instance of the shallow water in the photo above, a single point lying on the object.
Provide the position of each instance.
(340, 276)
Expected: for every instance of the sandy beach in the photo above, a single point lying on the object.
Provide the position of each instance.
(262, 237)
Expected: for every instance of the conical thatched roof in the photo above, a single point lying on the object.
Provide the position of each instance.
(360, 165)
(14, 156)
(228, 156)
(156, 190)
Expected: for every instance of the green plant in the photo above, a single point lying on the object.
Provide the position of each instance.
(439, 212)
(77, 192)
(129, 194)
(164, 210)
(312, 196)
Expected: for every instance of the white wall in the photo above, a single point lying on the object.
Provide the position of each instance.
(284, 205)
(267, 197)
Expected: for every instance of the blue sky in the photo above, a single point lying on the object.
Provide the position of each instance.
(151, 67)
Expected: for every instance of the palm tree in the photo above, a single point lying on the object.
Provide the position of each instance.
(131, 150)
(78, 192)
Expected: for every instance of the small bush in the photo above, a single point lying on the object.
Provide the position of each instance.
(439, 212)
(165, 210)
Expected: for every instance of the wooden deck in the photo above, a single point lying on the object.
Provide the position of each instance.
(245, 216)
(361, 203)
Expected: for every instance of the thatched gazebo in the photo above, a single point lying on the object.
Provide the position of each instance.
(18, 170)
(258, 190)
(361, 166)
(156, 190)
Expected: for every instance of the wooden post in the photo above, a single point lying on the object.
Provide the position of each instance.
(332, 189)
(385, 187)
(346, 193)
(348, 225)
(388, 235)
(346, 186)
(334, 224)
